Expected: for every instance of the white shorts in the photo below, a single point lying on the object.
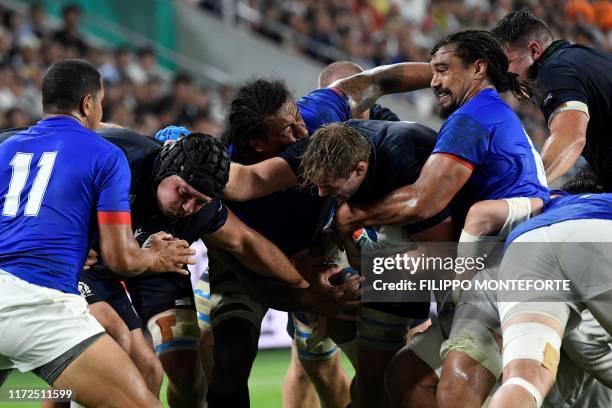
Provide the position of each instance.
(39, 324)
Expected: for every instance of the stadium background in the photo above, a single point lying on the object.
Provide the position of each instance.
(178, 62)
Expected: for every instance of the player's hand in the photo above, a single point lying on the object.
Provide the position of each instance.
(171, 253)
(171, 133)
(316, 270)
(92, 259)
(341, 303)
(345, 223)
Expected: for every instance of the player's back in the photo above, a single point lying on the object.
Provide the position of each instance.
(51, 176)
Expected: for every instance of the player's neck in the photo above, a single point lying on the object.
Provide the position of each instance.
(476, 89)
(67, 114)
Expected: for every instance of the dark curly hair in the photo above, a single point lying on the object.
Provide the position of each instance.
(253, 103)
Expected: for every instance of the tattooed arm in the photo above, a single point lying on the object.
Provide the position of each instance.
(365, 88)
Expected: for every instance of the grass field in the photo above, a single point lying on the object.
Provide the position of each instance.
(265, 383)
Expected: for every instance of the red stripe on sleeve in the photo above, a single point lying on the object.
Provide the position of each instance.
(458, 160)
(114, 217)
(337, 91)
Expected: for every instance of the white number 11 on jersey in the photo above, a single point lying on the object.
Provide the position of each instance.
(21, 170)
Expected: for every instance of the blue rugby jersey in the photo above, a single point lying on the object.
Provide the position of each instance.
(488, 137)
(571, 207)
(54, 176)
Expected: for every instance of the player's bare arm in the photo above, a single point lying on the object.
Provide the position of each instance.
(247, 182)
(255, 251)
(366, 87)
(565, 144)
(439, 181)
(121, 252)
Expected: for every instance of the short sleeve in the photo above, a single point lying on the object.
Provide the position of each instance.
(324, 106)
(560, 84)
(219, 218)
(113, 183)
(465, 138)
(293, 155)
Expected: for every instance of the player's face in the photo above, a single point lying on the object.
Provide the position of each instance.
(452, 81)
(521, 61)
(285, 128)
(177, 199)
(344, 188)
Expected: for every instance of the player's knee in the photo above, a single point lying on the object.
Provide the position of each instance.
(184, 371)
(408, 379)
(324, 372)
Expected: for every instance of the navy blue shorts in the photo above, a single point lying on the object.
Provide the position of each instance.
(101, 286)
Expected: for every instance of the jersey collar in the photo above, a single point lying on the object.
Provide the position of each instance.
(554, 46)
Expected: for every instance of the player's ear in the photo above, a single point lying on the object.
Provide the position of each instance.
(480, 69)
(361, 169)
(535, 50)
(86, 105)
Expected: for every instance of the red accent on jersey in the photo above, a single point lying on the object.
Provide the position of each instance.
(459, 160)
(114, 217)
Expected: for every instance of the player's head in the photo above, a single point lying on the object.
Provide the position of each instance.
(340, 70)
(336, 160)
(263, 120)
(189, 173)
(337, 70)
(586, 181)
(524, 38)
(74, 87)
(466, 62)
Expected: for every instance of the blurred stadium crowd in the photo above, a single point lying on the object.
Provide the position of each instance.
(369, 32)
(137, 93)
(378, 32)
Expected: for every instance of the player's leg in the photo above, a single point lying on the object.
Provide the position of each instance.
(321, 363)
(298, 391)
(167, 304)
(176, 339)
(589, 345)
(146, 361)
(412, 377)
(204, 300)
(110, 305)
(380, 336)
(104, 375)
(70, 349)
(236, 322)
(532, 335)
(471, 355)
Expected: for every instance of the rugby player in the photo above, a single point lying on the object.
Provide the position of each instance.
(318, 366)
(575, 86)
(48, 329)
(570, 240)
